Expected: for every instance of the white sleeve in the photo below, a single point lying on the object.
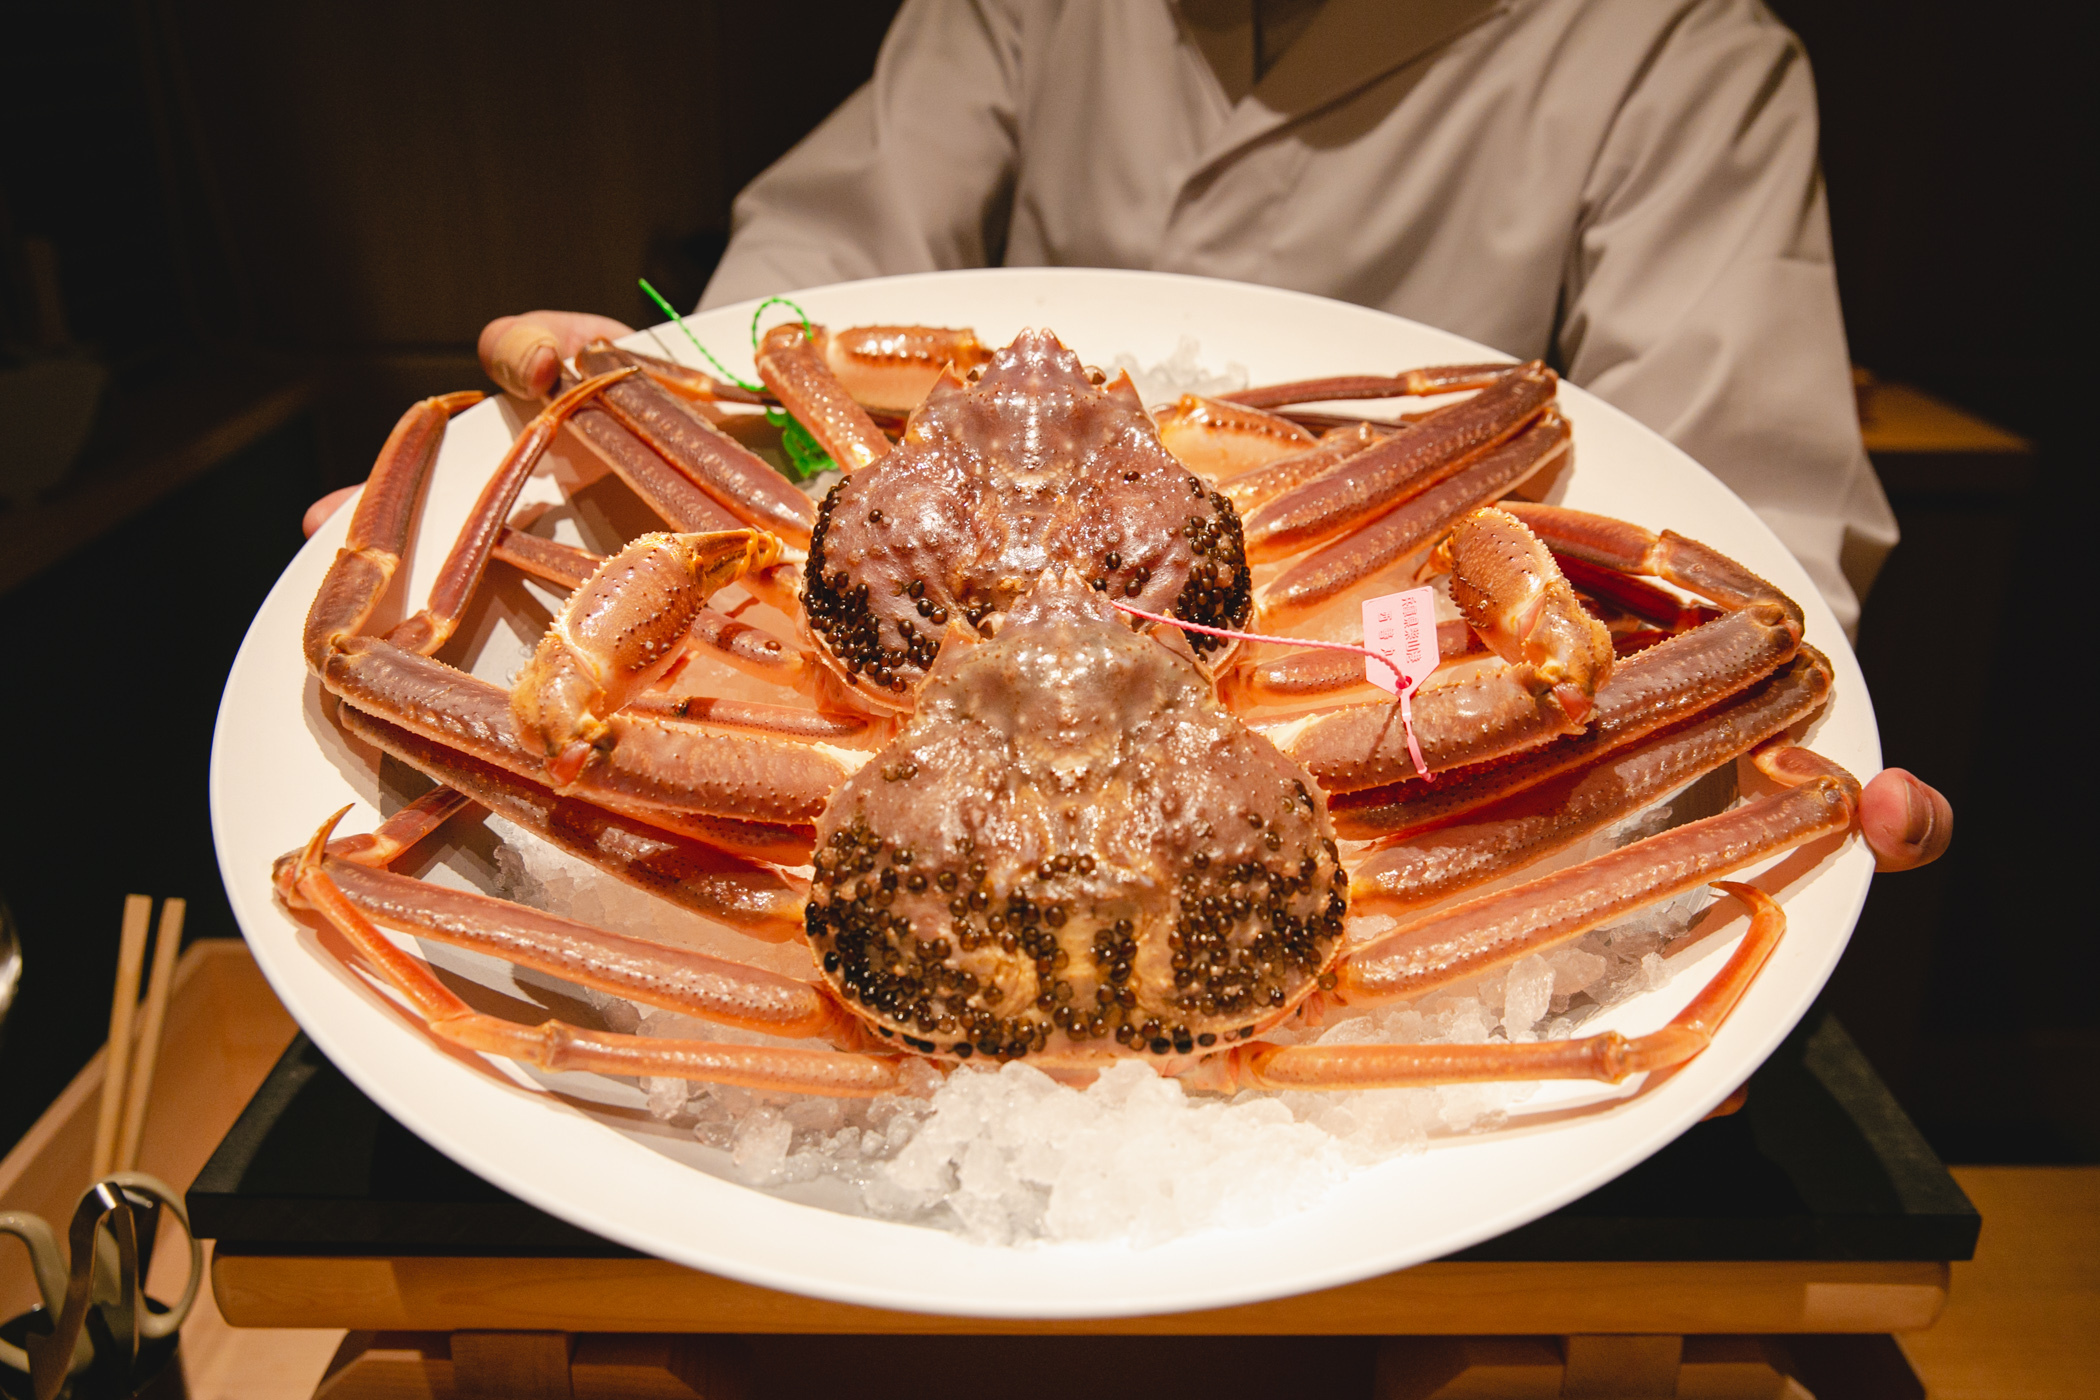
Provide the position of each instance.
(1700, 295)
(913, 173)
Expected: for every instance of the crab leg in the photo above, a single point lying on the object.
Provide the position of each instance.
(310, 880)
(561, 564)
(378, 534)
(709, 865)
(680, 504)
(792, 365)
(662, 487)
(620, 630)
(1505, 582)
(1658, 686)
(734, 778)
(718, 464)
(427, 697)
(1375, 480)
(1626, 548)
(777, 585)
(1362, 746)
(468, 717)
(429, 629)
(652, 763)
(402, 830)
(754, 650)
(754, 717)
(1324, 423)
(1299, 677)
(1666, 684)
(1257, 486)
(657, 974)
(1609, 1057)
(687, 383)
(1513, 595)
(661, 765)
(1468, 721)
(1517, 831)
(1335, 568)
(615, 637)
(1629, 594)
(1413, 383)
(1216, 439)
(890, 368)
(1494, 930)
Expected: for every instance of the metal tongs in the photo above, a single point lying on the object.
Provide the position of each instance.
(99, 1303)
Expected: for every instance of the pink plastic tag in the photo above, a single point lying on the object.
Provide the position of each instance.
(1401, 627)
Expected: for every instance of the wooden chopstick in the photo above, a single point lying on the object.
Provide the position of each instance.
(166, 944)
(131, 957)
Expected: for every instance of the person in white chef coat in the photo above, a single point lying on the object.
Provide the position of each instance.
(1626, 189)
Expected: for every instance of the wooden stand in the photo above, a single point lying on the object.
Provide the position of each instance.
(630, 1327)
(1834, 1228)
(408, 1293)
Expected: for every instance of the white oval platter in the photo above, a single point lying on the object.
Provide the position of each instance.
(589, 1156)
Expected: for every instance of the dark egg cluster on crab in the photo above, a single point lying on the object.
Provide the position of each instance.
(1073, 841)
(1036, 466)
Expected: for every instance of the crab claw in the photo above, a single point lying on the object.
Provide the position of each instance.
(621, 631)
(1514, 597)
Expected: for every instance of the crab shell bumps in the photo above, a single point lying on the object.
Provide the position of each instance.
(1074, 840)
(1037, 466)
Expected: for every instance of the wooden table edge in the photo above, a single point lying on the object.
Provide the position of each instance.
(443, 1294)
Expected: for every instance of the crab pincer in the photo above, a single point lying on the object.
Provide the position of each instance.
(616, 636)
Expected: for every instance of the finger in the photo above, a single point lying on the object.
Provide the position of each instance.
(521, 353)
(317, 514)
(1732, 1104)
(575, 329)
(1905, 822)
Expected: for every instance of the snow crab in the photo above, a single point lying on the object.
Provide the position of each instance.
(1033, 829)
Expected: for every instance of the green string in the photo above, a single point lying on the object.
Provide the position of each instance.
(808, 331)
(804, 454)
(679, 321)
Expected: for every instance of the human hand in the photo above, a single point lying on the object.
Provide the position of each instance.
(317, 514)
(1906, 823)
(523, 354)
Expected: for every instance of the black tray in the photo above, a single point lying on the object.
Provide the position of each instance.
(1820, 1164)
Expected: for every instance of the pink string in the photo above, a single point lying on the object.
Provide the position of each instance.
(1400, 681)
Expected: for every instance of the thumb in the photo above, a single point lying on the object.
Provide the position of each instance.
(521, 354)
(1906, 823)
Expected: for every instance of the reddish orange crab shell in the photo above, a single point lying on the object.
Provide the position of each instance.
(1072, 843)
(1032, 468)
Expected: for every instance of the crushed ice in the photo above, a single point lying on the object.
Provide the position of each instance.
(1180, 373)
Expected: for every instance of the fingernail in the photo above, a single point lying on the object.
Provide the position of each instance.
(544, 368)
(1918, 815)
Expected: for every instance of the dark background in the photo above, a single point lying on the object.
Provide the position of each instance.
(325, 202)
